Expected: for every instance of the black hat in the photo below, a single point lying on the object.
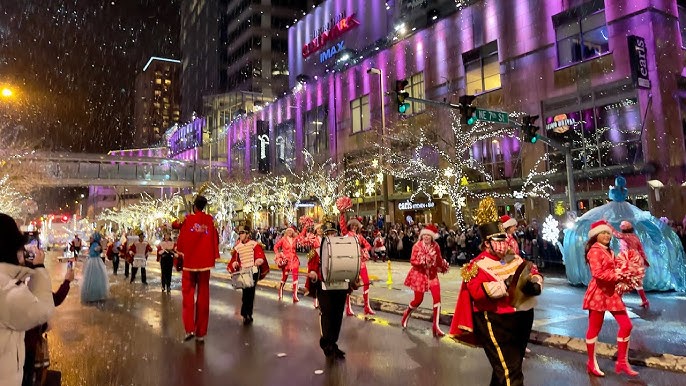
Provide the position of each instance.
(329, 226)
(243, 227)
(489, 225)
(492, 231)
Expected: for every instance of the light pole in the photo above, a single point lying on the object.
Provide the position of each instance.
(384, 188)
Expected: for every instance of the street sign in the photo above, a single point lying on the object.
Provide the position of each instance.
(492, 116)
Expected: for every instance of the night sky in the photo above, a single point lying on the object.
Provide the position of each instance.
(72, 64)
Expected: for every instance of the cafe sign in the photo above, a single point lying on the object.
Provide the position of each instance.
(409, 205)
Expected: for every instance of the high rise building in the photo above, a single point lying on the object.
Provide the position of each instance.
(235, 46)
(156, 105)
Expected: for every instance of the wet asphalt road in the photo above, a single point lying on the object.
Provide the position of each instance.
(134, 338)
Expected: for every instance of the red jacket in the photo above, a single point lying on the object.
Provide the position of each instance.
(601, 294)
(426, 263)
(199, 242)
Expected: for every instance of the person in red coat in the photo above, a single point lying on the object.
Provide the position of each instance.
(198, 244)
(602, 296)
(628, 241)
(490, 311)
(351, 229)
(287, 259)
(426, 263)
(248, 254)
(510, 226)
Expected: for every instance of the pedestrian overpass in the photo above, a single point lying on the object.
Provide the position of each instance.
(82, 169)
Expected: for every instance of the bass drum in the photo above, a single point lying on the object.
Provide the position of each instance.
(340, 261)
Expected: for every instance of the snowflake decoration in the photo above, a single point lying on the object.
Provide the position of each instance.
(551, 231)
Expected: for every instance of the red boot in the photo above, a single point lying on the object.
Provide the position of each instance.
(367, 307)
(406, 316)
(645, 303)
(295, 292)
(622, 365)
(348, 308)
(592, 364)
(437, 314)
(281, 290)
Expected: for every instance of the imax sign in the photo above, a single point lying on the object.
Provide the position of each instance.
(331, 52)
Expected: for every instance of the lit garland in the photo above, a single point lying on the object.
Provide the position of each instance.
(146, 215)
(441, 167)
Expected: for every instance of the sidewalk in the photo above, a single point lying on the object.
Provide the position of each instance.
(658, 337)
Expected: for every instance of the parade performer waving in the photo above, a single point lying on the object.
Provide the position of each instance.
(332, 301)
(351, 229)
(602, 295)
(495, 304)
(426, 263)
(287, 259)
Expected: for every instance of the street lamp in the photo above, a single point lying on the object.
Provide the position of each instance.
(382, 95)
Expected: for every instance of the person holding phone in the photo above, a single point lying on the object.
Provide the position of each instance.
(22, 306)
(95, 282)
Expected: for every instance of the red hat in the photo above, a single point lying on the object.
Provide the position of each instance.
(508, 221)
(625, 226)
(598, 227)
(429, 229)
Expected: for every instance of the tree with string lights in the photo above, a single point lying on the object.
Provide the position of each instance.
(443, 165)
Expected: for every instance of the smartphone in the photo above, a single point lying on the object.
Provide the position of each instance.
(32, 245)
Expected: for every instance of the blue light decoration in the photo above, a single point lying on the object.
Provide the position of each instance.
(662, 246)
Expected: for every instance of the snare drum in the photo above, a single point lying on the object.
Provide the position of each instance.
(340, 261)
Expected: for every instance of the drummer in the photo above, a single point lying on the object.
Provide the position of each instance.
(331, 302)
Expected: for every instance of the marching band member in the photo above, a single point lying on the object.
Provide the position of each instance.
(495, 304)
(166, 252)
(510, 226)
(601, 295)
(287, 259)
(246, 254)
(139, 251)
(353, 226)
(426, 263)
(331, 301)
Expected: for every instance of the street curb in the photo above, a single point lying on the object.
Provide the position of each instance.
(668, 362)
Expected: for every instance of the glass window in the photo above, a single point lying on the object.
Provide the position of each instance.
(360, 114)
(581, 38)
(499, 157)
(316, 133)
(603, 136)
(482, 69)
(416, 88)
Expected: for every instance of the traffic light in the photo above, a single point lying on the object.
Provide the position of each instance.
(401, 94)
(529, 128)
(467, 111)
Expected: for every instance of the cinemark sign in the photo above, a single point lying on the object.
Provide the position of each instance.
(344, 25)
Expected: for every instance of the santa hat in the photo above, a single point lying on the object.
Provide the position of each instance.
(625, 226)
(430, 230)
(290, 228)
(508, 221)
(598, 227)
(355, 221)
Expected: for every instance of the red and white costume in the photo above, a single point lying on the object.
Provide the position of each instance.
(379, 246)
(601, 295)
(511, 239)
(426, 263)
(628, 241)
(198, 243)
(287, 259)
(140, 250)
(365, 248)
(248, 254)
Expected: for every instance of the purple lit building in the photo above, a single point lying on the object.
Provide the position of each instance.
(607, 77)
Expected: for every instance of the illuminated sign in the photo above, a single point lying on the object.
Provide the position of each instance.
(339, 26)
(263, 142)
(331, 52)
(560, 124)
(409, 205)
(638, 57)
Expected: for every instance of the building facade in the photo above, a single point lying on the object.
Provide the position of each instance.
(606, 78)
(157, 97)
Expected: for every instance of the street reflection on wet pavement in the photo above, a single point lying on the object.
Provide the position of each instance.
(135, 338)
